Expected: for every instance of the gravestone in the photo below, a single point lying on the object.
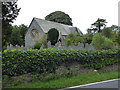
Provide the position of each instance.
(80, 46)
(49, 44)
(73, 46)
(57, 44)
(88, 46)
(55, 48)
(11, 46)
(8, 47)
(42, 47)
(22, 47)
(63, 44)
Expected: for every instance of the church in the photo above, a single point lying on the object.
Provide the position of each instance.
(39, 27)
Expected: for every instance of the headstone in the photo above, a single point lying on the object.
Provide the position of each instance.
(22, 47)
(57, 44)
(92, 47)
(87, 46)
(55, 48)
(42, 47)
(49, 44)
(63, 44)
(11, 45)
(16, 47)
(80, 46)
(8, 47)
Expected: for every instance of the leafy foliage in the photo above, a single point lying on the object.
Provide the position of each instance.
(74, 39)
(9, 13)
(59, 17)
(18, 35)
(16, 38)
(97, 26)
(37, 45)
(101, 42)
(16, 62)
(107, 32)
(53, 35)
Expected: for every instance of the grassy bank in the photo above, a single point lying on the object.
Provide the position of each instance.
(73, 81)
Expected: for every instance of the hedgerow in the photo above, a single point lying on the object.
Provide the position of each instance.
(16, 62)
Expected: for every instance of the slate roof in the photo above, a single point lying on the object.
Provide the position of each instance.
(64, 29)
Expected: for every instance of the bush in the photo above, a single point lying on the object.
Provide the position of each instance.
(53, 35)
(37, 45)
(101, 42)
(74, 39)
(18, 62)
(68, 42)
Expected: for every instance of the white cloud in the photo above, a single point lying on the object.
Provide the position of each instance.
(82, 12)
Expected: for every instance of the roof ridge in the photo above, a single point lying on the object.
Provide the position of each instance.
(53, 22)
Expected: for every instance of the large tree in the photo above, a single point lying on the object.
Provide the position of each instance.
(18, 35)
(9, 13)
(59, 17)
(98, 25)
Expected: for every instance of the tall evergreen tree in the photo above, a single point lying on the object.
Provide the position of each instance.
(10, 12)
(99, 24)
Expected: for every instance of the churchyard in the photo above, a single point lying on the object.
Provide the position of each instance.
(56, 54)
(25, 66)
(49, 60)
(56, 46)
(54, 59)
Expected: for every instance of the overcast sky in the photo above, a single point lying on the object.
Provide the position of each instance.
(82, 12)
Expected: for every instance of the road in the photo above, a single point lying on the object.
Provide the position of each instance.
(103, 84)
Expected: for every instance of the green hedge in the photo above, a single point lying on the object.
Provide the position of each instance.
(16, 62)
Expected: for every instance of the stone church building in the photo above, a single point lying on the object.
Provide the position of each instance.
(39, 27)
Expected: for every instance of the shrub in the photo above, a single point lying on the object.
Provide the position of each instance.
(74, 39)
(101, 42)
(53, 35)
(37, 45)
(18, 62)
(68, 42)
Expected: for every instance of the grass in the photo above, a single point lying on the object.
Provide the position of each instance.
(73, 81)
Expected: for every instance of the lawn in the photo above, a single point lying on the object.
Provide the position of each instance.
(72, 81)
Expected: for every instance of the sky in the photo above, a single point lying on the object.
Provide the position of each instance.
(82, 12)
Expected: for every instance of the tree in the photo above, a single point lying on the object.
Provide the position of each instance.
(118, 38)
(59, 17)
(16, 38)
(98, 25)
(18, 33)
(53, 35)
(74, 39)
(102, 42)
(112, 33)
(70, 39)
(9, 13)
(88, 38)
(23, 29)
(107, 32)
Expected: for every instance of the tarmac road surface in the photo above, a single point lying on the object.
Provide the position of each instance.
(103, 84)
